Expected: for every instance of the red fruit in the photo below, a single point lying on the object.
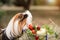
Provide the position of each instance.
(36, 37)
(30, 27)
(33, 31)
(38, 27)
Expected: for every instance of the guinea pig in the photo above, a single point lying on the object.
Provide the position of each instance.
(17, 24)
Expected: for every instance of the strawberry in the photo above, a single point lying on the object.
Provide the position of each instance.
(30, 27)
(38, 27)
(33, 31)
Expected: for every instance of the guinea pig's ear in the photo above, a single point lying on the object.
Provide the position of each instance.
(21, 16)
(18, 16)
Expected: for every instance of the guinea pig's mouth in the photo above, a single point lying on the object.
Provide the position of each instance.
(25, 16)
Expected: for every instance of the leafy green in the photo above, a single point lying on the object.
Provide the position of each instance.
(47, 27)
(56, 35)
(35, 27)
(29, 32)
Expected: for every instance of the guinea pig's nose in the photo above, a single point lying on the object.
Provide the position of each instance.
(25, 16)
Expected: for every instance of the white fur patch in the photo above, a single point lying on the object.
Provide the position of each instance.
(9, 28)
(16, 27)
(29, 19)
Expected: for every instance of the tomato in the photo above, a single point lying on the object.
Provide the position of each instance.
(38, 27)
(30, 27)
(33, 31)
(36, 37)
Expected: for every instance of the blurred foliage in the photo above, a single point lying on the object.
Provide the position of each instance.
(35, 2)
(2, 13)
(1, 3)
(39, 2)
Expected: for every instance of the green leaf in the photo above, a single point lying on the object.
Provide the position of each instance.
(29, 32)
(50, 31)
(47, 27)
(35, 27)
(56, 35)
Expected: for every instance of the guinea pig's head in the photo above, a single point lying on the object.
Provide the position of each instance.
(28, 17)
(25, 19)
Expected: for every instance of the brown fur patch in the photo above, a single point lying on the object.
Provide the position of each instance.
(21, 24)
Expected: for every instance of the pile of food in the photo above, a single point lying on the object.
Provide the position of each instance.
(39, 32)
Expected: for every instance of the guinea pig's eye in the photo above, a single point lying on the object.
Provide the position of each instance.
(25, 16)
